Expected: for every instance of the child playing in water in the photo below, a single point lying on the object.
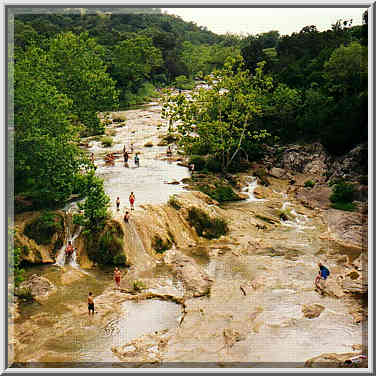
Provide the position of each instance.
(137, 160)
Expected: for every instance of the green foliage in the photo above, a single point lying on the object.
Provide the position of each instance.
(95, 206)
(174, 202)
(346, 206)
(346, 70)
(44, 227)
(138, 285)
(80, 73)
(106, 248)
(343, 192)
(107, 141)
(133, 60)
(24, 293)
(182, 82)
(205, 226)
(221, 118)
(14, 259)
(219, 192)
(198, 161)
(160, 245)
(213, 164)
(309, 184)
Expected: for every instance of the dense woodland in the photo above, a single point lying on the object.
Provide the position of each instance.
(70, 65)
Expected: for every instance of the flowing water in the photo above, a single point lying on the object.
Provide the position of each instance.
(281, 272)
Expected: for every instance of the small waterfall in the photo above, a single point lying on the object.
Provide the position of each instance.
(69, 227)
(135, 250)
(250, 190)
(299, 221)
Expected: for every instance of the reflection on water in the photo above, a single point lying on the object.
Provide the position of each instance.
(137, 319)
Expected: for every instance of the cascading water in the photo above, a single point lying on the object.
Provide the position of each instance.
(299, 221)
(250, 190)
(135, 249)
(61, 256)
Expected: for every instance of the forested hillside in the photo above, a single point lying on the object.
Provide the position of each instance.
(71, 64)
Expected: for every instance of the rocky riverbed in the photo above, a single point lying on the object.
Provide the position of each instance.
(245, 299)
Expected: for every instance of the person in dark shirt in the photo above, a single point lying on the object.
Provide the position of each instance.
(322, 276)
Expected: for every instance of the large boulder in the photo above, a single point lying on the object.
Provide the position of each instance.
(308, 159)
(351, 166)
(39, 287)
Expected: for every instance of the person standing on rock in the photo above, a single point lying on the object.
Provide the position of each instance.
(131, 200)
(322, 276)
(90, 303)
(118, 204)
(117, 277)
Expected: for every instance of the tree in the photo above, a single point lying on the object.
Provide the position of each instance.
(133, 60)
(80, 73)
(346, 70)
(221, 119)
(47, 160)
(95, 206)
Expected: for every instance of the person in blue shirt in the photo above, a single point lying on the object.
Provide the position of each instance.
(322, 276)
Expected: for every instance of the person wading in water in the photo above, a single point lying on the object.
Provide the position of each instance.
(117, 277)
(126, 217)
(137, 160)
(90, 303)
(131, 200)
(118, 204)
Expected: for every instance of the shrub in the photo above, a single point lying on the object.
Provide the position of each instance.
(220, 193)
(44, 227)
(198, 148)
(309, 184)
(182, 82)
(120, 259)
(198, 161)
(343, 192)
(213, 164)
(138, 285)
(205, 226)
(174, 202)
(346, 206)
(149, 144)
(107, 141)
(161, 245)
(107, 248)
(24, 293)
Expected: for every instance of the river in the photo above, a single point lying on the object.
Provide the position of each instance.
(278, 279)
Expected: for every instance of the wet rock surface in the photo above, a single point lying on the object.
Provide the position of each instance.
(246, 296)
(312, 311)
(40, 288)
